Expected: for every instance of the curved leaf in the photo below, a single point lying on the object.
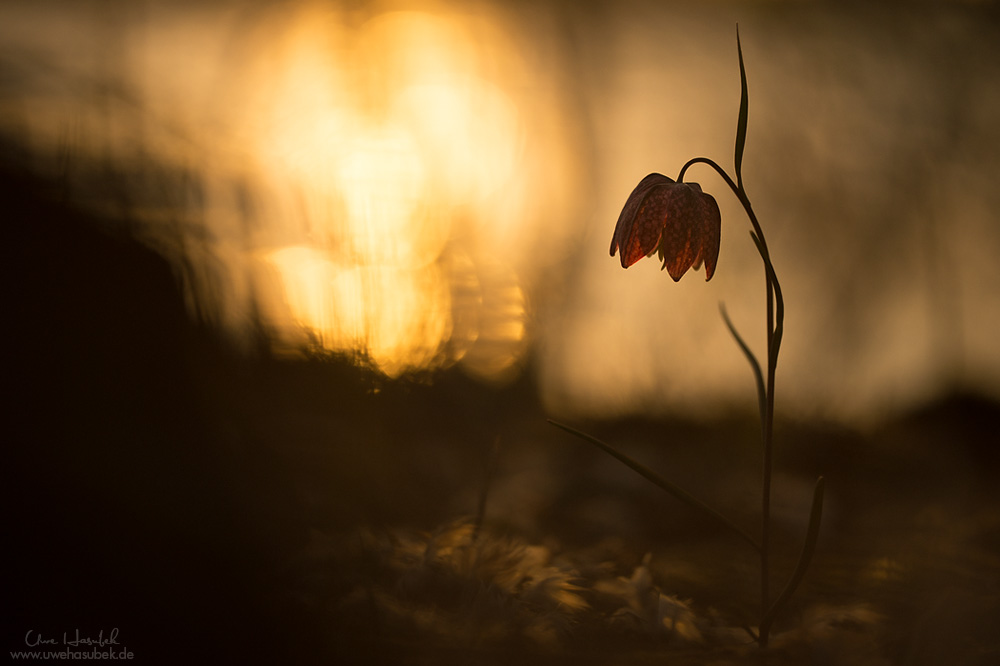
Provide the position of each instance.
(812, 535)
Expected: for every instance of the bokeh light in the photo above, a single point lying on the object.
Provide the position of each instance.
(357, 179)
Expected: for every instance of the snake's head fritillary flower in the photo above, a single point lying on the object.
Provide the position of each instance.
(677, 220)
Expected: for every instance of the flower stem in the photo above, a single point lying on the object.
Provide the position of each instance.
(775, 328)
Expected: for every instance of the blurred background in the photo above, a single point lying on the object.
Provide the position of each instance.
(435, 184)
(280, 267)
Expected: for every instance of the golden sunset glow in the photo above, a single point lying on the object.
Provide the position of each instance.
(390, 146)
(361, 180)
(385, 207)
(398, 317)
(435, 185)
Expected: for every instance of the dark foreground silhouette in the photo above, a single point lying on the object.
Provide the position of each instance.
(216, 507)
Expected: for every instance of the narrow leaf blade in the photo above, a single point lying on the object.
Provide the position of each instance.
(812, 536)
(741, 122)
(754, 364)
(658, 480)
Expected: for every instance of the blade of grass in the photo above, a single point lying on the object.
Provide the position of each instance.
(656, 479)
(808, 548)
(491, 468)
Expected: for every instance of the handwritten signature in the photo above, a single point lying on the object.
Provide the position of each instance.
(35, 639)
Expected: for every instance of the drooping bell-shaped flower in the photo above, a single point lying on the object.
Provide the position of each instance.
(678, 220)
